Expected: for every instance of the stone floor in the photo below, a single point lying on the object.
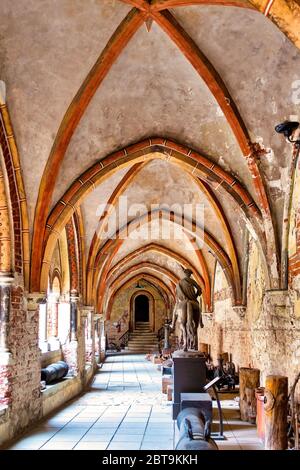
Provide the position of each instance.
(125, 409)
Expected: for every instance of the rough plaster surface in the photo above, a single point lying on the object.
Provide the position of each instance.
(268, 335)
(94, 204)
(150, 90)
(259, 70)
(46, 50)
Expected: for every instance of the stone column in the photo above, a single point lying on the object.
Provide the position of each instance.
(5, 307)
(52, 320)
(167, 345)
(73, 351)
(6, 359)
(100, 347)
(74, 314)
(88, 314)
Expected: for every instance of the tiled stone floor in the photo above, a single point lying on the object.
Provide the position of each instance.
(125, 409)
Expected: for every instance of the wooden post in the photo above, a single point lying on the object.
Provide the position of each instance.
(276, 401)
(249, 379)
(204, 348)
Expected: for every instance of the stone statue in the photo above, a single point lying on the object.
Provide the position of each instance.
(187, 311)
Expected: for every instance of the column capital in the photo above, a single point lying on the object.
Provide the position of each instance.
(240, 310)
(74, 296)
(98, 316)
(34, 299)
(6, 279)
(86, 309)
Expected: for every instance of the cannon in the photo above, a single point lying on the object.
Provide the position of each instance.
(194, 431)
(54, 372)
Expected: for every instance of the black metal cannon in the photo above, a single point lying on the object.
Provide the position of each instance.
(54, 372)
(194, 429)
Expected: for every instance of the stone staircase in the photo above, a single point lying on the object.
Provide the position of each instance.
(142, 339)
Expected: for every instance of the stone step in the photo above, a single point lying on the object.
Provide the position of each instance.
(146, 328)
(145, 335)
(133, 343)
(140, 341)
(142, 350)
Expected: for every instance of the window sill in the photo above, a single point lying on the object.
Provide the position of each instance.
(52, 389)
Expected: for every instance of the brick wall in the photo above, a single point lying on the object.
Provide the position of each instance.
(267, 337)
(22, 373)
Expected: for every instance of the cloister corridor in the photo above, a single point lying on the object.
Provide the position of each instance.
(125, 409)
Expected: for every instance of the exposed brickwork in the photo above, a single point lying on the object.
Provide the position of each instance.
(74, 354)
(14, 197)
(6, 379)
(73, 255)
(267, 337)
(20, 379)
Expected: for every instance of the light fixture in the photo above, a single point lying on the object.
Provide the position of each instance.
(287, 128)
(138, 286)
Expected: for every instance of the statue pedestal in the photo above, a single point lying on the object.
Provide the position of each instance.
(189, 374)
(189, 353)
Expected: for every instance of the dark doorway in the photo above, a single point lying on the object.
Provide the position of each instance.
(141, 309)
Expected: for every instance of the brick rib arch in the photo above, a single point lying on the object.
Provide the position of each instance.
(103, 294)
(105, 257)
(158, 249)
(15, 196)
(111, 52)
(95, 243)
(216, 249)
(153, 280)
(78, 106)
(121, 187)
(150, 149)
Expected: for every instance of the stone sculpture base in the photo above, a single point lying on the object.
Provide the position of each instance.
(189, 353)
(189, 374)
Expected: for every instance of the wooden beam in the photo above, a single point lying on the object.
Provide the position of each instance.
(113, 49)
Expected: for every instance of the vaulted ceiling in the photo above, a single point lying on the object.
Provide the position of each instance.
(200, 83)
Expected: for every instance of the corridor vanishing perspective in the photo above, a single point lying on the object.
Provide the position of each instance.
(125, 409)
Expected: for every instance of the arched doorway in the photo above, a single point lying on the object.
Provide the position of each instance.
(141, 309)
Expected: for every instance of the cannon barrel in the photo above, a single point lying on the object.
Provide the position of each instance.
(194, 431)
(54, 372)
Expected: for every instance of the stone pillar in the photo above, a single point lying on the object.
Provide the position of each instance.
(6, 359)
(52, 321)
(74, 314)
(73, 351)
(100, 347)
(5, 308)
(167, 345)
(88, 314)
